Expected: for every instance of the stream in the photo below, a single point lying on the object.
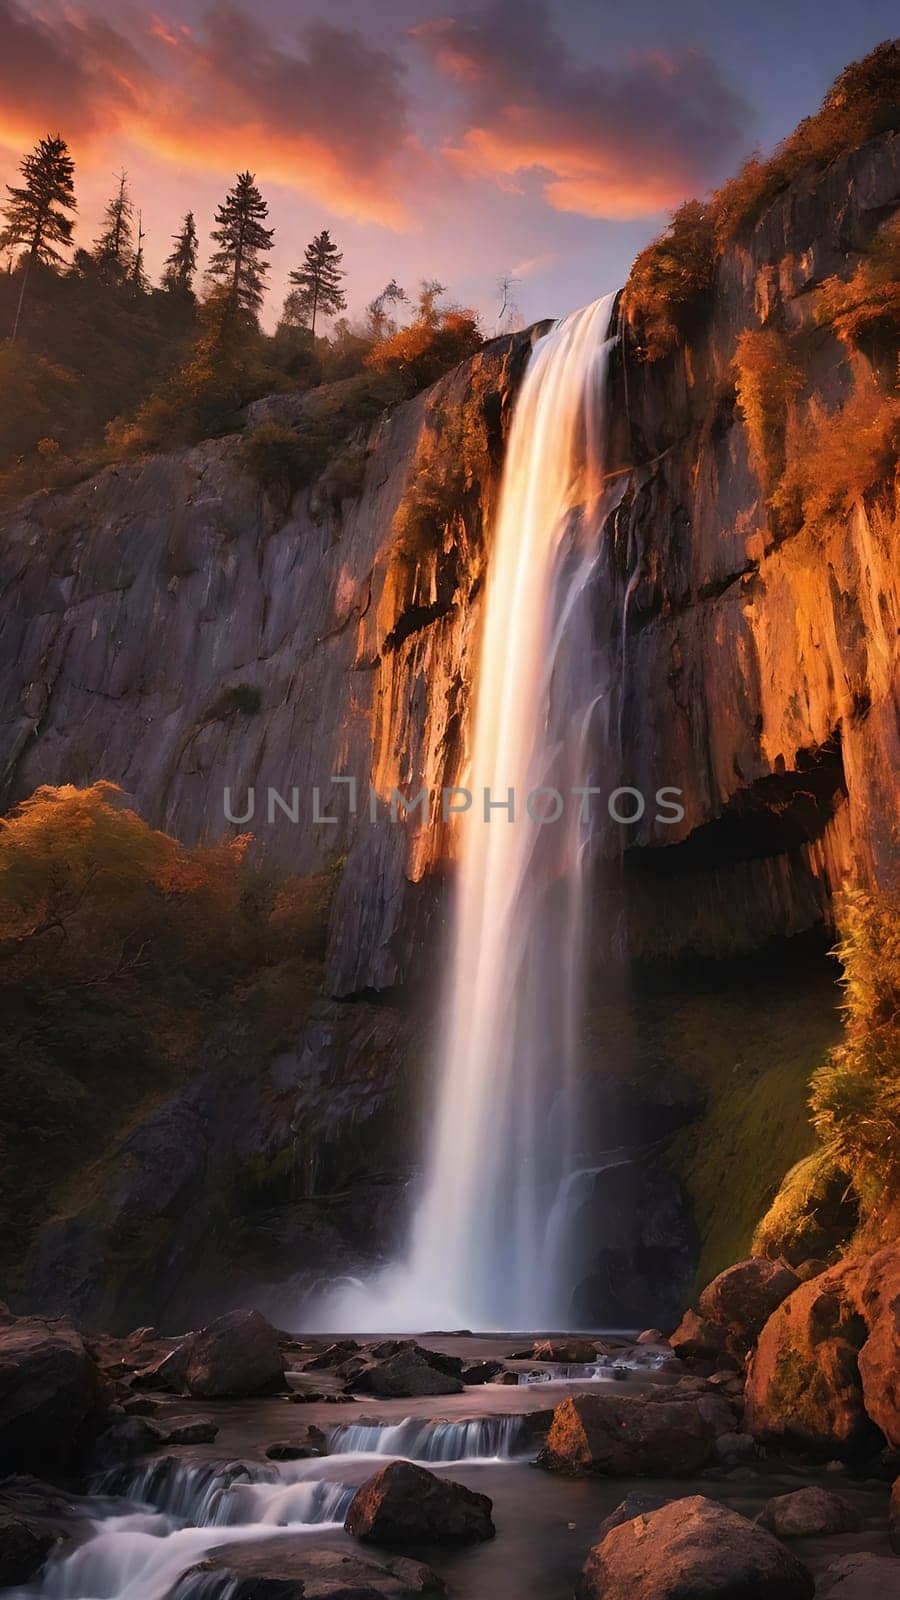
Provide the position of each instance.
(172, 1510)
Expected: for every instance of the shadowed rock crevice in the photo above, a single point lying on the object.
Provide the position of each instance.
(771, 817)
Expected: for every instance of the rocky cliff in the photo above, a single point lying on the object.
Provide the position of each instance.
(166, 627)
(761, 652)
(757, 666)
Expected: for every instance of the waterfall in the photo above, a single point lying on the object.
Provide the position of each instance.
(217, 1495)
(503, 1137)
(475, 1439)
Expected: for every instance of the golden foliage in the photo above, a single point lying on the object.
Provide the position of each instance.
(671, 275)
(667, 278)
(855, 1097)
(451, 460)
(835, 458)
(868, 303)
(421, 353)
(765, 377)
(863, 101)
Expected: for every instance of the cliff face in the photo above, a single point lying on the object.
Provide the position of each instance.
(758, 668)
(133, 604)
(760, 659)
(166, 628)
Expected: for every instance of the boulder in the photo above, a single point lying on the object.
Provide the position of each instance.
(24, 1547)
(35, 1519)
(804, 1387)
(810, 1269)
(480, 1372)
(199, 1432)
(730, 1383)
(333, 1356)
(351, 1368)
(169, 1373)
(308, 1441)
(695, 1339)
(125, 1441)
(406, 1504)
(895, 1516)
(860, 1577)
(808, 1512)
(742, 1298)
(287, 1569)
(651, 1336)
(736, 1449)
(408, 1373)
(634, 1505)
(627, 1437)
(237, 1355)
(141, 1406)
(877, 1296)
(692, 1548)
(718, 1411)
(49, 1389)
(444, 1363)
(825, 1376)
(575, 1352)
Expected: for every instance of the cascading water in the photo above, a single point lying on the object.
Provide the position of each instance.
(477, 1439)
(504, 1140)
(167, 1515)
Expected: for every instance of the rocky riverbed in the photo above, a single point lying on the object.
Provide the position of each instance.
(247, 1462)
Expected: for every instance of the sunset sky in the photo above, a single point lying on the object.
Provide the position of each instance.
(458, 142)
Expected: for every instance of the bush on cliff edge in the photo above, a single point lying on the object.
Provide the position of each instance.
(670, 277)
(855, 1096)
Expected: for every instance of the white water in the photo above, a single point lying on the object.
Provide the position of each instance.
(479, 1254)
(170, 1516)
(178, 1515)
(479, 1439)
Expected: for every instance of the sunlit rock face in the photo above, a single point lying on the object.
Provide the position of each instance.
(823, 1375)
(760, 661)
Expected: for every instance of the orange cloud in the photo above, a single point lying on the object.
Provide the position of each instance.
(329, 120)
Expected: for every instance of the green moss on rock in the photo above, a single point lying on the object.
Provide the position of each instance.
(813, 1214)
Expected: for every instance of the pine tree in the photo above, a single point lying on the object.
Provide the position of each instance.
(114, 250)
(242, 241)
(35, 214)
(319, 278)
(181, 265)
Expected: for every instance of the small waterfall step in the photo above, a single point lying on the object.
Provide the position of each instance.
(470, 1439)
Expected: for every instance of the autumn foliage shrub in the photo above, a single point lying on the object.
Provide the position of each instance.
(671, 275)
(120, 950)
(856, 1095)
(865, 308)
(668, 278)
(417, 355)
(766, 376)
(835, 459)
(282, 459)
(451, 459)
(863, 101)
